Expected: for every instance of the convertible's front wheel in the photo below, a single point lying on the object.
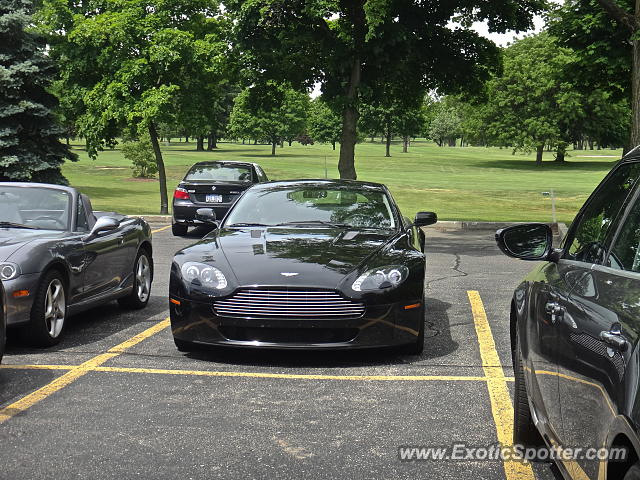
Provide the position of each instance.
(48, 313)
(142, 277)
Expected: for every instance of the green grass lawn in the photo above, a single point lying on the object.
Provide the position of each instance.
(471, 183)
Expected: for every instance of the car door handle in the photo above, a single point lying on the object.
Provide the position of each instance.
(555, 310)
(614, 338)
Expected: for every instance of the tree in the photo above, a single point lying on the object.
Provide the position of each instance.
(280, 114)
(351, 47)
(325, 126)
(605, 38)
(30, 147)
(445, 127)
(531, 105)
(132, 63)
(140, 153)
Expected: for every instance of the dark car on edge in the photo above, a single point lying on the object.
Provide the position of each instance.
(58, 257)
(213, 186)
(575, 325)
(307, 264)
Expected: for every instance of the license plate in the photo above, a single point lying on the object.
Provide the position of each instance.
(214, 199)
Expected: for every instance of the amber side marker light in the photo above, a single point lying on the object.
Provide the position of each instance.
(20, 293)
(413, 305)
(174, 301)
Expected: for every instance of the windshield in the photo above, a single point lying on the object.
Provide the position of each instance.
(35, 207)
(310, 204)
(220, 172)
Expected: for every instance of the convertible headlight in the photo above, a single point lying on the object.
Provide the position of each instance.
(207, 275)
(381, 278)
(9, 271)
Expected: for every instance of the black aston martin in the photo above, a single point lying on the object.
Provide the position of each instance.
(304, 264)
(59, 257)
(212, 185)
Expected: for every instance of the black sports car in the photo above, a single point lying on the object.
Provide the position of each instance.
(58, 257)
(214, 186)
(304, 264)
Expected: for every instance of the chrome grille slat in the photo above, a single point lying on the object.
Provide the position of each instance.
(283, 303)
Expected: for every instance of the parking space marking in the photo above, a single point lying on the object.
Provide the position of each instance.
(290, 376)
(501, 406)
(160, 229)
(72, 375)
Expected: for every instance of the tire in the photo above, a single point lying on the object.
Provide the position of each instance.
(184, 346)
(417, 347)
(178, 229)
(48, 313)
(3, 337)
(524, 431)
(142, 278)
(633, 473)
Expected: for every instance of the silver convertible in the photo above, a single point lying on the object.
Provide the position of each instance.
(58, 257)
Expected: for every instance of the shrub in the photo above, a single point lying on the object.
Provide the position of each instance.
(140, 153)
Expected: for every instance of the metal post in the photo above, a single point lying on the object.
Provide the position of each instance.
(553, 206)
(325, 167)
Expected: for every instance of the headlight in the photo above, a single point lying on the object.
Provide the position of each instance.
(381, 278)
(9, 271)
(207, 275)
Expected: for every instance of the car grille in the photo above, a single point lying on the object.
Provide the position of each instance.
(286, 303)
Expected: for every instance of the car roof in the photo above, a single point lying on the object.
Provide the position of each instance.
(322, 182)
(52, 186)
(223, 162)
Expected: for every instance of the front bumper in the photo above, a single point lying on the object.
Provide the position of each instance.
(380, 326)
(19, 308)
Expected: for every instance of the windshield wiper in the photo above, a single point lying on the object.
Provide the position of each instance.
(247, 224)
(317, 222)
(17, 225)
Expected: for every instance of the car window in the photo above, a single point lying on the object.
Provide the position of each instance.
(355, 207)
(82, 225)
(588, 241)
(220, 172)
(625, 252)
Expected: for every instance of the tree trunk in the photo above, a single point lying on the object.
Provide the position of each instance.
(539, 152)
(350, 114)
(333, 144)
(388, 142)
(164, 202)
(186, 139)
(560, 152)
(212, 141)
(200, 144)
(289, 142)
(273, 147)
(405, 144)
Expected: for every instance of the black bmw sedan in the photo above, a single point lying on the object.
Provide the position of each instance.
(307, 264)
(212, 185)
(575, 326)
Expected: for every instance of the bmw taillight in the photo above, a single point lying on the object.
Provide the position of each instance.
(181, 194)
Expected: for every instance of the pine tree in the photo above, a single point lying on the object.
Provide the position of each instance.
(30, 147)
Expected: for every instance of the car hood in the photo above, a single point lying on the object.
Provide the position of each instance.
(13, 239)
(280, 256)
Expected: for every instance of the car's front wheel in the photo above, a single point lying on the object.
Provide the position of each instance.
(184, 346)
(524, 430)
(633, 473)
(417, 347)
(142, 277)
(48, 313)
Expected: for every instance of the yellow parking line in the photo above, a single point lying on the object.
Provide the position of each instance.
(501, 406)
(160, 229)
(293, 376)
(72, 375)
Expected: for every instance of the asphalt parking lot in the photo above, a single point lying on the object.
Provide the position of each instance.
(116, 400)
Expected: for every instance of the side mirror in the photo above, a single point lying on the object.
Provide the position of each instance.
(424, 219)
(531, 241)
(206, 215)
(103, 224)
